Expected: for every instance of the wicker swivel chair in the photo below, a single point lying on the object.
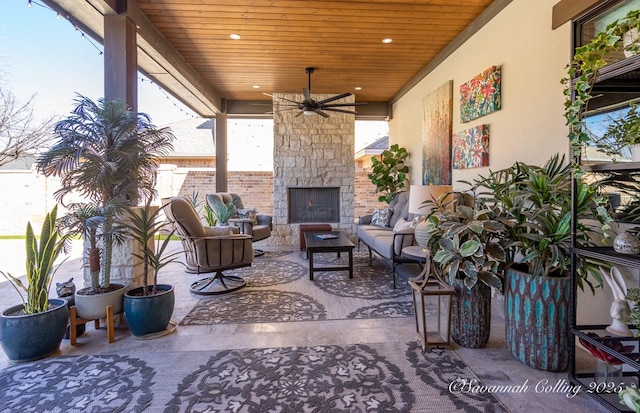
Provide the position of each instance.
(258, 230)
(209, 249)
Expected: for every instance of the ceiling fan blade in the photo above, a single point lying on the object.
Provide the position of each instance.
(336, 97)
(298, 114)
(280, 97)
(307, 97)
(340, 110)
(321, 113)
(334, 105)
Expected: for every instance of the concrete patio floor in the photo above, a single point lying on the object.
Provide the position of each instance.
(493, 365)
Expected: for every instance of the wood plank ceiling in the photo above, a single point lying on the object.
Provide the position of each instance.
(279, 39)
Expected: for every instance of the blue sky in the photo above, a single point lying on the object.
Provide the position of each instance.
(44, 56)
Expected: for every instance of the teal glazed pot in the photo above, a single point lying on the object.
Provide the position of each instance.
(31, 337)
(471, 315)
(151, 313)
(537, 319)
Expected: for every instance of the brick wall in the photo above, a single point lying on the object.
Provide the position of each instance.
(31, 195)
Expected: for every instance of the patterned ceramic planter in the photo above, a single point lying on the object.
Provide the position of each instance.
(149, 314)
(471, 315)
(537, 319)
(33, 336)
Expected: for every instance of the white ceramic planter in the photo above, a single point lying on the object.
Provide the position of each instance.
(93, 307)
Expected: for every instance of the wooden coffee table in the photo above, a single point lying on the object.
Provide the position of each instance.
(338, 244)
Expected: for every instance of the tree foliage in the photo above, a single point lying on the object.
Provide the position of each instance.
(21, 135)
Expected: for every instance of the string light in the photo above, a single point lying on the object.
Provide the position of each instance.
(76, 27)
(170, 98)
(68, 18)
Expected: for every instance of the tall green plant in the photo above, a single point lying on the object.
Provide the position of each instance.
(469, 243)
(39, 265)
(538, 199)
(108, 154)
(221, 211)
(208, 214)
(389, 173)
(144, 226)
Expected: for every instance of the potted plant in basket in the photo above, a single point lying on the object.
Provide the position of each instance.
(148, 309)
(34, 329)
(538, 201)
(108, 154)
(468, 246)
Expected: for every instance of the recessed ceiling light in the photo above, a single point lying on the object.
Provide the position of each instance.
(358, 88)
(235, 36)
(387, 40)
(256, 86)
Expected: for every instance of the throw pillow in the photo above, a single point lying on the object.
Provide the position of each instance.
(248, 213)
(381, 217)
(401, 224)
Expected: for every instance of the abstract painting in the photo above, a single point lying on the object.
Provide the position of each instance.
(436, 136)
(471, 148)
(480, 95)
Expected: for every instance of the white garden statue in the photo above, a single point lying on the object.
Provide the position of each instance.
(620, 307)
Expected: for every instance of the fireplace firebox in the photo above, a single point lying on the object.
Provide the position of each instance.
(313, 204)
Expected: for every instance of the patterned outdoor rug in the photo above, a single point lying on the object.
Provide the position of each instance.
(354, 378)
(279, 289)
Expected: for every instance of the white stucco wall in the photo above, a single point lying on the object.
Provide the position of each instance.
(530, 125)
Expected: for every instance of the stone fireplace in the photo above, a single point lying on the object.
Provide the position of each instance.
(311, 151)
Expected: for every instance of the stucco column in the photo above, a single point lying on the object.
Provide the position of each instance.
(220, 140)
(120, 60)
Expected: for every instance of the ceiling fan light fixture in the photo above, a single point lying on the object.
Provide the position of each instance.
(308, 112)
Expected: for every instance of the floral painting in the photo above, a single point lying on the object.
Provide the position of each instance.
(436, 136)
(480, 95)
(471, 148)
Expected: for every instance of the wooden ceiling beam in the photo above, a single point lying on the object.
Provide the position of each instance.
(157, 58)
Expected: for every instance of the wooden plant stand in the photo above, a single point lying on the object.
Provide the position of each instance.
(75, 321)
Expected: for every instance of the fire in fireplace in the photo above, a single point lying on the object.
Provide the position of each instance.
(313, 204)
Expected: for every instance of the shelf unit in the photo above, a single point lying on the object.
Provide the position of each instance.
(616, 87)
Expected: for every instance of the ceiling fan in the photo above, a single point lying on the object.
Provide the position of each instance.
(309, 106)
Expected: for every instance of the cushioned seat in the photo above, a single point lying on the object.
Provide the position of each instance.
(386, 240)
(209, 249)
(258, 226)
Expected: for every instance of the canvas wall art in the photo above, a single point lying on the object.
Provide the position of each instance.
(436, 136)
(471, 148)
(480, 95)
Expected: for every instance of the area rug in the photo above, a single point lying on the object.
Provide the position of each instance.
(278, 290)
(392, 377)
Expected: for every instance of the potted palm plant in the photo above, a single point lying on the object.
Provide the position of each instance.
(468, 246)
(107, 154)
(35, 328)
(537, 199)
(148, 309)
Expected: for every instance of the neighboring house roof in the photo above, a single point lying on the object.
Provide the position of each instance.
(375, 148)
(194, 139)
